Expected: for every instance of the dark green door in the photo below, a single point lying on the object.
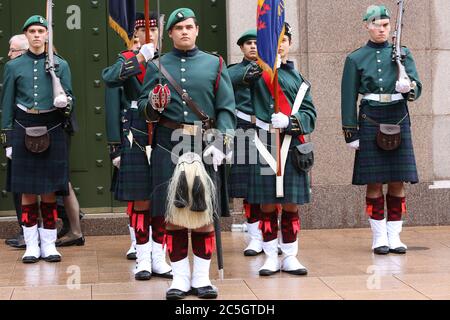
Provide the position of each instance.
(83, 38)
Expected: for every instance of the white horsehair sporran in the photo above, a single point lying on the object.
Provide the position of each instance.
(191, 194)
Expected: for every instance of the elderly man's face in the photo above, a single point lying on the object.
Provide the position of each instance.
(15, 50)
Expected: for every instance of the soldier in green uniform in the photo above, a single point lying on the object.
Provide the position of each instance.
(205, 79)
(294, 120)
(243, 75)
(33, 134)
(371, 72)
(128, 150)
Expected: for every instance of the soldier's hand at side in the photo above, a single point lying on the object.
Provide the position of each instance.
(217, 156)
(280, 120)
(148, 51)
(9, 153)
(60, 101)
(403, 86)
(354, 144)
(116, 162)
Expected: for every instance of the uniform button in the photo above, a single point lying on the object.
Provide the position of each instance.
(184, 90)
(35, 62)
(381, 80)
(378, 52)
(184, 102)
(183, 70)
(381, 89)
(186, 113)
(379, 70)
(35, 103)
(35, 70)
(35, 87)
(35, 78)
(379, 61)
(183, 60)
(35, 94)
(183, 80)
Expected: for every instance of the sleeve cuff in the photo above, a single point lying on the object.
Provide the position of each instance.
(294, 128)
(114, 151)
(350, 134)
(130, 68)
(5, 138)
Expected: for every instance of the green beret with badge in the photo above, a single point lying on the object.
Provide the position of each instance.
(35, 20)
(376, 13)
(179, 15)
(247, 35)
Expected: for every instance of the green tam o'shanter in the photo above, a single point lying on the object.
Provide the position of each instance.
(247, 35)
(376, 13)
(35, 20)
(179, 15)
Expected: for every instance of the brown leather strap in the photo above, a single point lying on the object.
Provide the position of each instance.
(165, 122)
(184, 95)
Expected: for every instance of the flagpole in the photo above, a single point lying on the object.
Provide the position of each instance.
(147, 40)
(276, 108)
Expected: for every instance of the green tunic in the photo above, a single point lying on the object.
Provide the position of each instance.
(262, 187)
(370, 69)
(123, 87)
(241, 89)
(290, 81)
(27, 83)
(196, 72)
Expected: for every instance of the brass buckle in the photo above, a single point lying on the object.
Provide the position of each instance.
(190, 129)
(33, 111)
(385, 98)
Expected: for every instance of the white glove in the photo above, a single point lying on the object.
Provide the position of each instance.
(354, 144)
(9, 153)
(217, 156)
(116, 162)
(60, 101)
(280, 120)
(403, 86)
(148, 51)
(279, 61)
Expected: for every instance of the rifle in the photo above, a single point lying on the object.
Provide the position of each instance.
(397, 56)
(58, 91)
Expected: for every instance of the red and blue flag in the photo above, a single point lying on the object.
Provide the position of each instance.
(270, 25)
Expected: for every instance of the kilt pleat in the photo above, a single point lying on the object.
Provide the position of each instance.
(43, 173)
(132, 181)
(262, 182)
(374, 165)
(241, 168)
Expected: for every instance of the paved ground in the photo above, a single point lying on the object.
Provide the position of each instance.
(340, 263)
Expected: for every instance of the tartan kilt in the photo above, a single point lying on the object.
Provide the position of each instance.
(162, 168)
(132, 182)
(374, 165)
(43, 173)
(241, 167)
(262, 187)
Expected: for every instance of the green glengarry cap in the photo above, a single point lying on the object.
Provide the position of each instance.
(247, 35)
(376, 13)
(35, 20)
(179, 15)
